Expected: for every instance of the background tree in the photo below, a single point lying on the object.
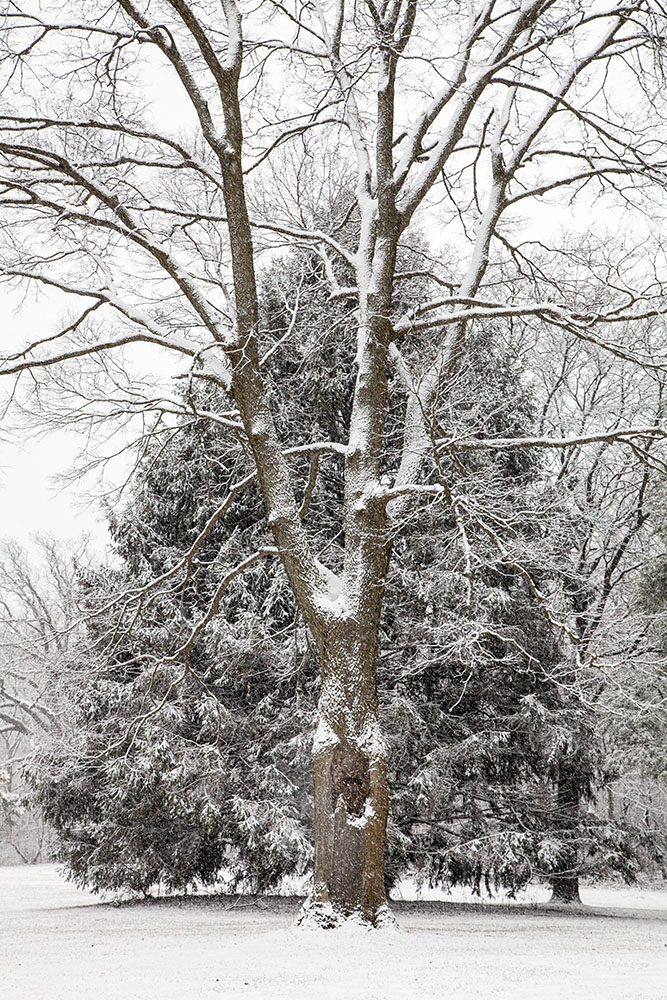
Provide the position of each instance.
(511, 772)
(609, 488)
(37, 631)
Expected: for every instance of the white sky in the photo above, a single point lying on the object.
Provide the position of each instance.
(31, 501)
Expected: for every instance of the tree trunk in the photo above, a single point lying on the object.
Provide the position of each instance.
(565, 881)
(565, 889)
(350, 787)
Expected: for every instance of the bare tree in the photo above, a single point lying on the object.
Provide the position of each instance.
(37, 632)
(608, 490)
(153, 232)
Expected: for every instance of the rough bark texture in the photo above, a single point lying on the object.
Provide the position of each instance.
(565, 882)
(350, 785)
(565, 889)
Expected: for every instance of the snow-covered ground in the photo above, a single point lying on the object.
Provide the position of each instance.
(614, 897)
(59, 943)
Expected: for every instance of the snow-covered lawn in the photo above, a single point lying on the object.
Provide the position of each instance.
(57, 942)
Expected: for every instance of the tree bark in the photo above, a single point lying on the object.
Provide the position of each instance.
(565, 881)
(350, 786)
(565, 889)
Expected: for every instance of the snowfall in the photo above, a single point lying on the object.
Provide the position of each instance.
(58, 942)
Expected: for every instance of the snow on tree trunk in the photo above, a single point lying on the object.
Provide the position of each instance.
(350, 786)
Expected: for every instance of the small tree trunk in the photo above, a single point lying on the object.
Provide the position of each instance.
(565, 881)
(565, 889)
(610, 803)
(350, 786)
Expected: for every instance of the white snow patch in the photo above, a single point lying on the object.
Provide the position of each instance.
(372, 742)
(362, 821)
(55, 944)
(324, 738)
(333, 585)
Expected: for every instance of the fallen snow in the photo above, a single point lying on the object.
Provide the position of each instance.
(609, 897)
(60, 943)
(333, 585)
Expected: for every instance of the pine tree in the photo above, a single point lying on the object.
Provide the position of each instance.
(171, 775)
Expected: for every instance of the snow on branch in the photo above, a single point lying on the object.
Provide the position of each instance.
(623, 435)
(135, 596)
(184, 650)
(552, 312)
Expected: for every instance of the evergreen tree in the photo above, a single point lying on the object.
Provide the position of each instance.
(176, 768)
(492, 710)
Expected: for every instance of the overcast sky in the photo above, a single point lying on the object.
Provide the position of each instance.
(31, 501)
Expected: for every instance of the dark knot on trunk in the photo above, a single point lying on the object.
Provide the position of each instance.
(350, 779)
